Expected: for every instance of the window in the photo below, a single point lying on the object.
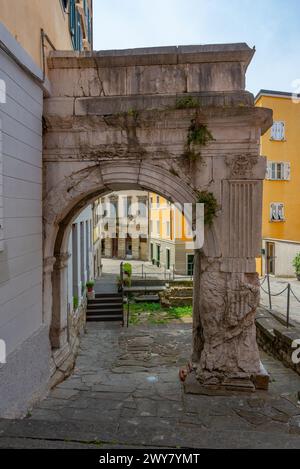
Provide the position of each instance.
(168, 258)
(157, 227)
(278, 171)
(151, 227)
(65, 4)
(75, 26)
(142, 209)
(277, 211)
(157, 199)
(167, 228)
(278, 131)
(190, 264)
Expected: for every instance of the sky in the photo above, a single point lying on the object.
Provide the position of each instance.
(272, 26)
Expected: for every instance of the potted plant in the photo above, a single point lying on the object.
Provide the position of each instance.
(90, 289)
(127, 269)
(296, 264)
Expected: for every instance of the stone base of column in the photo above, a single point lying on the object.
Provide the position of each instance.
(225, 354)
(228, 386)
(58, 337)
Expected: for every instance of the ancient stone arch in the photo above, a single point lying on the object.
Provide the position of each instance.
(124, 119)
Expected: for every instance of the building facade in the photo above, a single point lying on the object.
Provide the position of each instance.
(80, 262)
(28, 31)
(281, 199)
(121, 226)
(170, 237)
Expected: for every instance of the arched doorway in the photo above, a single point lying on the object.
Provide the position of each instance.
(111, 126)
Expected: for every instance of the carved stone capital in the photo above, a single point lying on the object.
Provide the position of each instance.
(48, 265)
(62, 260)
(241, 167)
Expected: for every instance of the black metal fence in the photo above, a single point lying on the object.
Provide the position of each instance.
(288, 290)
(145, 272)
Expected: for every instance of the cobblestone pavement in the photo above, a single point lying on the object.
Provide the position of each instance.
(125, 392)
(279, 303)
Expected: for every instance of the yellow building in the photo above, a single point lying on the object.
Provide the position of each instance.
(67, 25)
(170, 238)
(281, 198)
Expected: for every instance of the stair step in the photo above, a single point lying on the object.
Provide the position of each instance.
(103, 312)
(106, 317)
(105, 305)
(108, 295)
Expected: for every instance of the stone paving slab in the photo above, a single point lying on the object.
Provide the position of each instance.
(125, 392)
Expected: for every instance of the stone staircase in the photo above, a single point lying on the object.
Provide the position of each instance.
(105, 307)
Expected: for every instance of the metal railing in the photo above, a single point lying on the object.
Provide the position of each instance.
(121, 290)
(289, 291)
(162, 273)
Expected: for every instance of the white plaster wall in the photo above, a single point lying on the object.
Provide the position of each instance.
(21, 323)
(285, 252)
(84, 216)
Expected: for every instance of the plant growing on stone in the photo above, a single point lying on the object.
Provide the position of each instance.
(186, 102)
(296, 264)
(198, 135)
(210, 206)
(75, 302)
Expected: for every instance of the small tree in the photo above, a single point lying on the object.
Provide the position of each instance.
(127, 269)
(296, 264)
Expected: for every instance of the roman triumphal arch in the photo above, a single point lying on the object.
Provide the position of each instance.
(176, 121)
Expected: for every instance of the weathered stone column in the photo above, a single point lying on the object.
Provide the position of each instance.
(121, 248)
(47, 289)
(225, 350)
(59, 324)
(136, 248)
(108, 247)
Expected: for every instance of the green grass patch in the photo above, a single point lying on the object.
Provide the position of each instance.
(154, 313)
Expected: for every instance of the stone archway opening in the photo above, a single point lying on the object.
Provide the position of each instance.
(141, 119)
(63, 331)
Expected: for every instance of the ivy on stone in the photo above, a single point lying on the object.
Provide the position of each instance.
(210, 206)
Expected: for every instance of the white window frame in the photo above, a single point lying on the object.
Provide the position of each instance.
(158, 227)
(168, 228)
(1, 194)
(278, 171)
(277, 212)
(278, 131)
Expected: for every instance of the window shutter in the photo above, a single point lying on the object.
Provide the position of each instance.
(272, 212)
(287, 171)
(269, 170)
(282, 130)
(278, 131)
(280, 211)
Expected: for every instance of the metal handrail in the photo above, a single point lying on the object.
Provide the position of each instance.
(287, 289)
(121, 290)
